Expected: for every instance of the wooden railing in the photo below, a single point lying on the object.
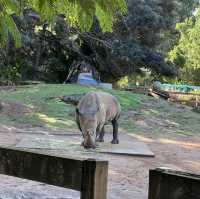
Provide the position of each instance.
(89, 176)
(169, 184)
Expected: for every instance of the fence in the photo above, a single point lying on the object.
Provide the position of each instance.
(89, 176)
(168, 184)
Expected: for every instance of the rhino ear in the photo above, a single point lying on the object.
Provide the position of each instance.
(78, 112)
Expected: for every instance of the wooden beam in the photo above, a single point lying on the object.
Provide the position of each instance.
(89, 176)
(58, 171)
(169, 184)
(94, 184)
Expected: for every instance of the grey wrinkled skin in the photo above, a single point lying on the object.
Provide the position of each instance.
(93, 112)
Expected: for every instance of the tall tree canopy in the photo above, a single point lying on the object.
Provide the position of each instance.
(139, 38)
(77, 13)
(185, 53)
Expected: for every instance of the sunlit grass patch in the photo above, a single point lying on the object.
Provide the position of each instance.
(51, 121)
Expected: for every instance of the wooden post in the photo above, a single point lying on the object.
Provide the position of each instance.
(196, 105)
(168, 184)
(94, 182)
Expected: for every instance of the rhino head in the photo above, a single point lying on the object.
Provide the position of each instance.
(88, 126)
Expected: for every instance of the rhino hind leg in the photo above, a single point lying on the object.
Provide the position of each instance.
(115, 132)
(101, 135)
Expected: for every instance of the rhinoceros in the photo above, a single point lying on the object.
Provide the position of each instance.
(93, 112)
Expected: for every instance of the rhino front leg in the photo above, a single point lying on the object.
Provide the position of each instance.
(101, 135)
(115, 132)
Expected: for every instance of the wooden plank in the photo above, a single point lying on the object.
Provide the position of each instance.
(137, 89)
(181, 93)
(58, 171)
(127, 146)
(157, 94)
(168, 184)
(94, 184)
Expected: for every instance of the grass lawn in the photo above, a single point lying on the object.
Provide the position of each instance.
(28, 106)
(52, 113)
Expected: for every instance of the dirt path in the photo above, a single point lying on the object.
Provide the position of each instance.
(128, 176)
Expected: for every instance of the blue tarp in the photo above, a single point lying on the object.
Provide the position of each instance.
(86, 79)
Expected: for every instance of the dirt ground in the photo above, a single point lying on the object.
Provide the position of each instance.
(128, 176)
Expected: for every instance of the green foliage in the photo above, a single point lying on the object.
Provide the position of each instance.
(78, 13)
(132, 46)
(123, 82)
(10, 74)
(7, 25)
(135, 81)
(176, 11)
(185, 53)
(188, 7)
